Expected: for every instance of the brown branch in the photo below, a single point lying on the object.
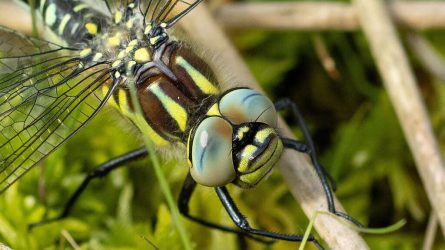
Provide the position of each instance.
(296, 167)
(402, 89)
(316, 16)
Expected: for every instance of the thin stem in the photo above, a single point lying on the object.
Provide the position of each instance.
(32, 9)
(431, 231)
(161, 178)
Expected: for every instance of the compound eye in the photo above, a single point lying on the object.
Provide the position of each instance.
(248, 105)
(211, 153)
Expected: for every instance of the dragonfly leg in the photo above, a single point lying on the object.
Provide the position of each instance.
(184, 198)
(98, 172)
(243, 224)
(309, 148)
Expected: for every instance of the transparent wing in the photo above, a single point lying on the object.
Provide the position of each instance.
(168, 11)
(45, 97)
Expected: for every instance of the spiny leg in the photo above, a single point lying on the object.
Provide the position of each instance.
(310, 149)
(100, 171)
(184, 198)
(243, 224)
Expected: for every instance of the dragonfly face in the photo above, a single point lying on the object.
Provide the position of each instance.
(236, 141)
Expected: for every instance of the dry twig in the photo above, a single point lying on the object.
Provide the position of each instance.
(401, 86)
(296, 167)
(427, 55)
(431, 230)
(315, 16)
(325, 58)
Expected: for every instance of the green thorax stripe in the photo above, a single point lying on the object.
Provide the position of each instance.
(174, 109)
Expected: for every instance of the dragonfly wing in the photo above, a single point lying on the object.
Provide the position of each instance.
(45, 98)
(167, 11)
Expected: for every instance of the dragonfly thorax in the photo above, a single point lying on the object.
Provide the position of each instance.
(122, 47)
(174, 90)
(156, 33)
(127, 43)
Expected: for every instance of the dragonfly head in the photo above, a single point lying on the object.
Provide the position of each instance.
(236, 142)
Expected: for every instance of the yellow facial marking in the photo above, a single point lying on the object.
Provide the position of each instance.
(253, 178)
(246, 158)
(118, 17)
(263, 134)
(80, 7)
(241, 132)
(214, 110)
(91, 28)
(200, 80)
(63, 23)
(262, 159)
(142, 55)
(85, 52)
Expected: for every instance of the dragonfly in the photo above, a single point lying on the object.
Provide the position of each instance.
(49, 90)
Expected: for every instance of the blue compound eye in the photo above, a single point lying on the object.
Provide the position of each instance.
(211, 153)
(247, 105)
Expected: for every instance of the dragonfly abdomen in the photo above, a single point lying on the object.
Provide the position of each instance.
(73, 21)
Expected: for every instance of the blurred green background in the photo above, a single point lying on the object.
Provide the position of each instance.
(349, 115)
